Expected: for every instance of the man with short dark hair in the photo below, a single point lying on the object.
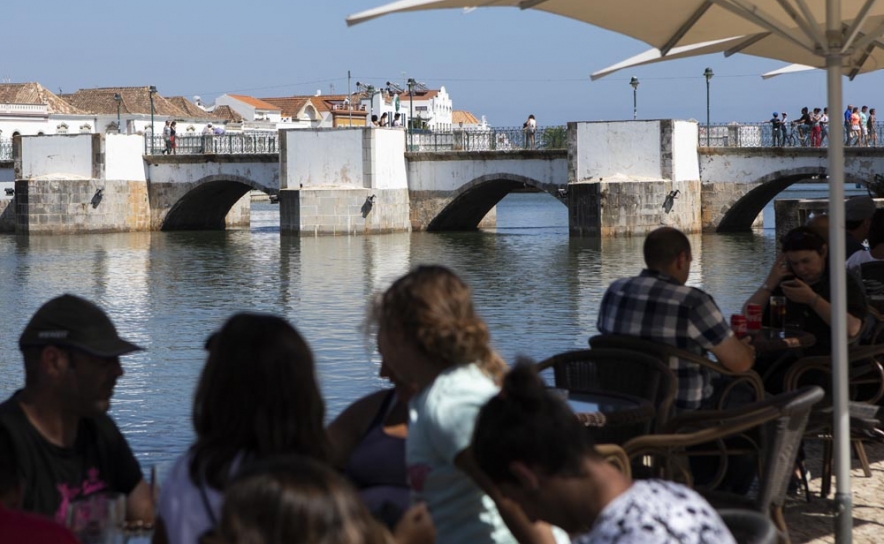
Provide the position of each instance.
(858, 212)
(656, 305)
(66, 446)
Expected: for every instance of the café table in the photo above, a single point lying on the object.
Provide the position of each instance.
(612, 417)
(768, 341)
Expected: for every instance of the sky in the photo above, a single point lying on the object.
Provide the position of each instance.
(502, 63)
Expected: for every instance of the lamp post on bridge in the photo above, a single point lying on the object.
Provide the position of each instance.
(411, 84)
(150, 92)
(119, 100)
(634, 83)
(708, 75)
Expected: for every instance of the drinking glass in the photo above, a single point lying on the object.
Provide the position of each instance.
(778, 314)
(98, 518)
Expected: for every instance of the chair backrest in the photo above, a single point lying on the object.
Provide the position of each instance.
(616, 370)
(749, 527)
(872, 274)
(781, 438)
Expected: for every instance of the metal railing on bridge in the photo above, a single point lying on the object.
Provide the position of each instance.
(216, 144)
(5, 150)
(495, 139)
(792, 135)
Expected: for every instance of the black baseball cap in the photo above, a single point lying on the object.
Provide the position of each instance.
(71, 321)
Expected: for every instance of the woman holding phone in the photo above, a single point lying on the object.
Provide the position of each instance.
(801, 275)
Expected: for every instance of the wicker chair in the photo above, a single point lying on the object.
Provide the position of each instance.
(774, 427)
(866, 384)
(749, 527)
(615, 455)
(667, 354)
(618, 371)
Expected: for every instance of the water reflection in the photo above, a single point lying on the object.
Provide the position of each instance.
(538, 289)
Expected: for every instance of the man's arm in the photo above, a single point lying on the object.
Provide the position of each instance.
(734, 354)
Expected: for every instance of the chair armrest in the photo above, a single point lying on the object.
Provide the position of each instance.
(615, 455)
(862, 363)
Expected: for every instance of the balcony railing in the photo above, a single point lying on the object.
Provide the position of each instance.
(216, 144)
(5, 150)
(792, 135)
(497, 139)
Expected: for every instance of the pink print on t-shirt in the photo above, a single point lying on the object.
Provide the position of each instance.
(91, 485)
(417, 476)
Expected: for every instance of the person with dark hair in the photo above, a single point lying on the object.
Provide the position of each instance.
(257, 397)
(535, 451)
(801, 274)
(858, 212)
(66, 446)
(431, 338)
(374, 121)
(17, 526)
(876, 245)
(656, 305)
(296, 500)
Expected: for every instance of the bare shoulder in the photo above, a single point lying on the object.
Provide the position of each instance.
(361, 412)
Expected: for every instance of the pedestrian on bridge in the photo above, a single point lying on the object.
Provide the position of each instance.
(530, 128)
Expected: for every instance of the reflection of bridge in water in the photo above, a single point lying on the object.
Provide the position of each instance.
(614, 179)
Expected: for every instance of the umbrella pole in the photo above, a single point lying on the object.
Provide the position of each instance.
(838, 279)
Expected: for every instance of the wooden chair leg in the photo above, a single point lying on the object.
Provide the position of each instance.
(826, 477)
(779, 519)
(863, 458)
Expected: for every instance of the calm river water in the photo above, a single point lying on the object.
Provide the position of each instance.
(537, 288)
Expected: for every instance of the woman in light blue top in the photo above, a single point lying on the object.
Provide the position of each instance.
(431, 338)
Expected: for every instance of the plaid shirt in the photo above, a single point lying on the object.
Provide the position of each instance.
(655, 307)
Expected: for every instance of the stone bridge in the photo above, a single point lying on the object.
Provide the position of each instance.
(739, 182)
(615, 178)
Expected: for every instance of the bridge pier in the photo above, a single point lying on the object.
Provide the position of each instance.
(621, 176)
(343, 181)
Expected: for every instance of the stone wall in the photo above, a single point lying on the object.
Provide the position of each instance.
(315, 212)
(60, 206)
(632, 208)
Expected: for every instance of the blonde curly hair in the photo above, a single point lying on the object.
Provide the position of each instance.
(433, 308)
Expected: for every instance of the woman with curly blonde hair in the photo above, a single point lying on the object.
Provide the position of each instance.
(430, 338)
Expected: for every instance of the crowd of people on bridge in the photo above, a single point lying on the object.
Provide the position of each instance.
(462, 448)
(811, 128)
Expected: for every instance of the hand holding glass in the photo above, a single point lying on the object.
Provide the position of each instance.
(778, 313)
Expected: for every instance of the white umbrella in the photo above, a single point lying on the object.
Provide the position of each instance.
(790, 69)
(817, 26)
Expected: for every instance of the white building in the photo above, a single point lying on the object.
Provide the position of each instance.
(432, 108)
(29, 109)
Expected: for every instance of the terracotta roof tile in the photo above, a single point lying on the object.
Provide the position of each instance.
(34, 93)
(254, 102)
(289, 106)
(465, 117)
(135, 100)
(227, 113)
(191, 109)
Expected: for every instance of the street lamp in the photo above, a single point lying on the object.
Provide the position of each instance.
(634, 83)
(150, 92)
(119, 100)
(708, 75)
(411, 85)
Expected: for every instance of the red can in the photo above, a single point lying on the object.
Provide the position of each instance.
(739, 325)
(753, 317)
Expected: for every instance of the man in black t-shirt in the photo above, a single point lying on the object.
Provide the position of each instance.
(66, 445)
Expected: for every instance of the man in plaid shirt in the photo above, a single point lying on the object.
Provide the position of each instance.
(656, 305)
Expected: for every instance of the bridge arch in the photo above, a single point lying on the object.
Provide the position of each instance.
(473, 200)
(742, 214)
(205, 203)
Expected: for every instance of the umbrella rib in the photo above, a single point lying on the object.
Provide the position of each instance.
(739, 8)
(814, 26)
(869, 37)
(858, 22)
(752, 40)
(527, 4)
(862, 60)
(684, 28)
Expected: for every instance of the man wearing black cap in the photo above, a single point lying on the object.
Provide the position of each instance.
(66, 445)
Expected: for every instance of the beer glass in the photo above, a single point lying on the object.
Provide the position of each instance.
(778, 314)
